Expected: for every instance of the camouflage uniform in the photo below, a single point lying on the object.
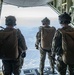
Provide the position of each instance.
(14, 66)
(57, 50)
(43, 52)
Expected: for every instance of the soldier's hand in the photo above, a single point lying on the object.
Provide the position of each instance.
(37, 47)
(23, 55)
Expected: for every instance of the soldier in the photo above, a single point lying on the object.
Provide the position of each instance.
(57, 46)
(14, 66)
(43, 40)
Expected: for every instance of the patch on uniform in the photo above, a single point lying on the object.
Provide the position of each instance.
(35, 71)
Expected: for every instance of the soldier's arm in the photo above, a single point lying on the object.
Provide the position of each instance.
(21, 41)
(38, 39)
(55, 43)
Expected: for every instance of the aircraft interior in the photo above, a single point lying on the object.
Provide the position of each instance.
(31, 62)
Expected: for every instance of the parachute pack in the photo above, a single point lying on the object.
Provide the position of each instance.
(8, 45)
(46, 37)
(68, 47)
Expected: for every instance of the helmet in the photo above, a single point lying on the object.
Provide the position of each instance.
(46, 21)
(10, 21)
(64, 18)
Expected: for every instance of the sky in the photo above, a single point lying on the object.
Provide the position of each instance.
(28, 16)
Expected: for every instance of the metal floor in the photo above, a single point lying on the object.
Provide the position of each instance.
(35, 71)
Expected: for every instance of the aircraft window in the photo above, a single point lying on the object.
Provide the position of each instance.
(28, 21)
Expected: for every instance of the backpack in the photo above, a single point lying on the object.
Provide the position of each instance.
(8, 45)
(46, 37)
(68, 47)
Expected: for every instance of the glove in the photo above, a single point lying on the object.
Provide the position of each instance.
(37, 47)
(23, 55)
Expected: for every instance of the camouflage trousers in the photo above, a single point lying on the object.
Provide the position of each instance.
(42, 60)
(62, 68)
(12, 66)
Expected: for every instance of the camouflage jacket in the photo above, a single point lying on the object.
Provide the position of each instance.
(57, 41)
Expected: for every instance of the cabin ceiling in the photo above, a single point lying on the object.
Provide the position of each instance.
(27, 3)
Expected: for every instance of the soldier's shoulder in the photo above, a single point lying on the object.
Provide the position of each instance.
(58, 31)
(18, 30)
(40, 28)
(53, 28)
